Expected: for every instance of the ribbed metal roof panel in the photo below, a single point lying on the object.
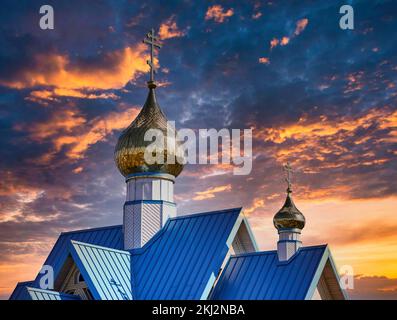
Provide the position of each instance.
(107, 271)
(107, 237)
(40, 294)
(110, 236)
(260, 276)
(182, 261)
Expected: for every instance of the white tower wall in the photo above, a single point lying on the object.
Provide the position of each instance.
(149, 204)
(288, 244)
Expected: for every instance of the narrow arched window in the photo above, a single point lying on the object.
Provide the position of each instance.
(78, 277)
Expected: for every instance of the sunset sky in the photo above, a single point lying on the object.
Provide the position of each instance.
(315, 95)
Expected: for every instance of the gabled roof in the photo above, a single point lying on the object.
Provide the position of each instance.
(261, 276)
(20, 292)
(183, 260)
(107, 271)
(110, 237)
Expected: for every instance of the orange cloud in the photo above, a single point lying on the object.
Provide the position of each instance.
(45, 97)
(300, 26)
(305, 128)
(57, 70)
(78, 170)
(389, 122)
(355, 82)
(264, 60)
(273, 43)
(323, 144)
(257, 203)
(62, 121)
(68, 128)
(42, 96)
(284, 41)
(210, 193)
(257, 15)
(98, 131)
(218, 14)
(210, 170)
(169, 29)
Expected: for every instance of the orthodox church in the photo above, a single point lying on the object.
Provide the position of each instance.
(158, 254)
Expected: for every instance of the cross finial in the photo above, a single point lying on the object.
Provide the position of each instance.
(151, 40)
(288, 170)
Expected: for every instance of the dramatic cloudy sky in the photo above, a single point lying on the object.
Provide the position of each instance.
(321, 97)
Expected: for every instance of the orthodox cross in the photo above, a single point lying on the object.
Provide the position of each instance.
(288, 170)
(151, 40)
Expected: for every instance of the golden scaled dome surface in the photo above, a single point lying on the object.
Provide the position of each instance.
(289, 217)
(130, 149)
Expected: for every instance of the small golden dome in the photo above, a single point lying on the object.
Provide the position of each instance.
(131, 146)
(289, 217)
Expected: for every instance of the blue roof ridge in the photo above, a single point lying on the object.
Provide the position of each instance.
(91, 229)
(324, 245)
(319, 246)
(199, 214)
(99, 247)
(191, 215)
(158, 234)
(275, 251)
(254, 253)
(25, 282)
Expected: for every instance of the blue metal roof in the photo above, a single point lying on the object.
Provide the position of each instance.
(180, 262)
(260, 276)
(106, 271)
(110, 236)
(184, 258)
(40, 294)
(20, 292)
(23, 291)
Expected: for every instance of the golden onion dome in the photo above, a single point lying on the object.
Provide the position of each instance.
(289, 217)
(131, 146)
